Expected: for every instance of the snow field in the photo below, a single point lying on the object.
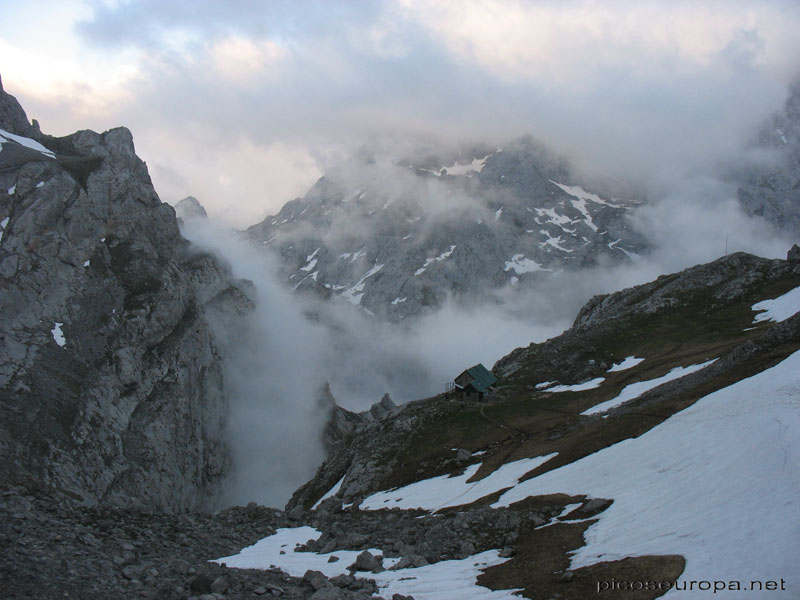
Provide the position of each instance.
(716, 483)
(444, 580)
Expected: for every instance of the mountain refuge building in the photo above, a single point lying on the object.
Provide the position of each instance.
(474, 383)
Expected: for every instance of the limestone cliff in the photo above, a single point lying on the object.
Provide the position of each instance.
(111, 382)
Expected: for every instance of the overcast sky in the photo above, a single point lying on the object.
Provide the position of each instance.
(243, 103)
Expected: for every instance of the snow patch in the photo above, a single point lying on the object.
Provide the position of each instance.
(398, 300)
(443, 580)
(519, 264)
(330, 493)
(498, 213)
(554, 242)
(57, 334)
(5, 136)
(553, 217)
(613, 246)
(578, 192)
(355, 293)
(443, 491)
(476, 166)
(780, 308)
(578, 387)
(12, 189)
(587, 217)
(628, 363)
(311, 262)
(435, 259)
(634, 390)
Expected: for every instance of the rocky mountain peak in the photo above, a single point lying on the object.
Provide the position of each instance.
(12, 116)
(112, 387)
(396, 239)
(190, 208)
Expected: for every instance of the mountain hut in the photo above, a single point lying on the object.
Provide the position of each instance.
(474, 383)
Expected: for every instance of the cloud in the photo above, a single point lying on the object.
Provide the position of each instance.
(647, 90)
(276, 366)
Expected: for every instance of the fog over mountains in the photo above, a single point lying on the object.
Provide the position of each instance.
(510, 240)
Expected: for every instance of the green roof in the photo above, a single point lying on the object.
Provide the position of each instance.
(482, 378)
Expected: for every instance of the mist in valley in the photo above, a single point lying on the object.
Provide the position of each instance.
(296, 343)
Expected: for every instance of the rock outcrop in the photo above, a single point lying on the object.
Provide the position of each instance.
(111, 382)
(190, 208)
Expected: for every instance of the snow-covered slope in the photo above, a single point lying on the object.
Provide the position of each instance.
(715, 483)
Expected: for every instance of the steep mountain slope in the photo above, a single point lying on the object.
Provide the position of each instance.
(681, 319)
(397, 238)
(111, 383)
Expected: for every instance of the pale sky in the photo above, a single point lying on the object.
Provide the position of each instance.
(243, 103)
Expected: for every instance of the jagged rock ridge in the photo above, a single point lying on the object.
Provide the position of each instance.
(397, 239)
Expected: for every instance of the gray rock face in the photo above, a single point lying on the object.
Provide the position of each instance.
(724, 280)
(111, 384)
(342, 423)
(773, 191)
(396, 240)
